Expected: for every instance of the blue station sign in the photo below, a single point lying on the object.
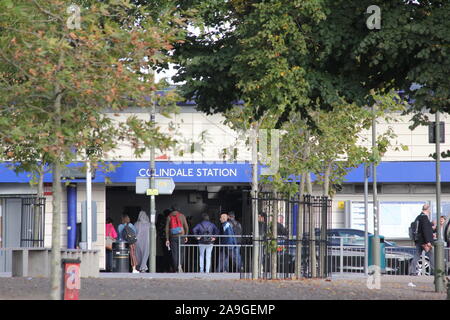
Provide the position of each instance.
(239, 172)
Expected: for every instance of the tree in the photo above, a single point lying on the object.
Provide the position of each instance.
(57, 78)
(290, 54)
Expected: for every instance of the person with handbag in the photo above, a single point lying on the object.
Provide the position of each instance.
(110, 237)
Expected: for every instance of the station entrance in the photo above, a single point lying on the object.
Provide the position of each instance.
(191, 200)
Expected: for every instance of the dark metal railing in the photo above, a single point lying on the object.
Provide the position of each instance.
(33, 222)
(222, 257)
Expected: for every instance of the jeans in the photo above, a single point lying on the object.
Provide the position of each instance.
(224, 257)
(237, 257)
(208, 248)
(418, 256)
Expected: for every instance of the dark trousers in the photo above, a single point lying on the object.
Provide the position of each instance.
(237, 258)
(109, 260)
(224, 259)
(176, 250)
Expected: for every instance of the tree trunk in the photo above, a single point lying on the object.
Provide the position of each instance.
(299, 233)
(56, 233)
(37, 213)
(312, 235)
(309, 189)
(55, 291)
(254, 195)
(274, 253)
(326, 180)
(40, 186)
(323, 231)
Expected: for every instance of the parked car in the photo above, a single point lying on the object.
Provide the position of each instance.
(398, 258)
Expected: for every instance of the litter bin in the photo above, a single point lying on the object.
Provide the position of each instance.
(70, 279)
(121, 256)
(382, 253)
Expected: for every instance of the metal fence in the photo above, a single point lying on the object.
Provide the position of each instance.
(219, 256)
(33, 222)
(292, 235)
(343, 258)
(349, 258)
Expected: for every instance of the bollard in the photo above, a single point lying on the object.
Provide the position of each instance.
(71, 279)
(121, 257)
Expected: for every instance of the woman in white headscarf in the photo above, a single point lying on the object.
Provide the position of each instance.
(142, 244)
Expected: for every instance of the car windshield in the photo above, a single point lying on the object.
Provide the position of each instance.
(351, 239)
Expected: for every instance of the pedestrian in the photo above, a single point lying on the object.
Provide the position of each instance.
(227, 241)
(161, 232)
(442, 229)
(281, 229)
(142, 243)
(176, 228)
(207, 231)
(424, 239)
(447, 232)
(262, 224)
(262, 228)
(236, 251)
(125, 232)
(110, 237)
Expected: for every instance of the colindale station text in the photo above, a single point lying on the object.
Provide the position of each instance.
(191, 172)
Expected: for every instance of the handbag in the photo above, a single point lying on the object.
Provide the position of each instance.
(108, 242)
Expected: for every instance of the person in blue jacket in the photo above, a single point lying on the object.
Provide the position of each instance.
(206, 232)
(227, 243)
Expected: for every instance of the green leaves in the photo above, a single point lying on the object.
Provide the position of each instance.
(57, 85)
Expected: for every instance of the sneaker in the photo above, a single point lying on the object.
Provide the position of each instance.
(135, 271)
(180, 269)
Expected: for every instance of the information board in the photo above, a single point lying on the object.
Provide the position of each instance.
(395, 217)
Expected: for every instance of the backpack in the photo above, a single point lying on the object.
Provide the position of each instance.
(175, 225)
(237, 229)
(414, 230)
(129, 235)
(206, 232)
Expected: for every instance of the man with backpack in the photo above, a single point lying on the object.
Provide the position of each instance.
(206, 230)
(176, 227)
(127, 232)
(421, 232)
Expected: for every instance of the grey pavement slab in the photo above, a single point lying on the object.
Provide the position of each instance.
(147, 288)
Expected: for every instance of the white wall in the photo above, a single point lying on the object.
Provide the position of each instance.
(191, 123)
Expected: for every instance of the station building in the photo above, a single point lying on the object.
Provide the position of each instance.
(206, 181)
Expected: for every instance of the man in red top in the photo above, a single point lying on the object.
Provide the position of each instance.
(176, 227)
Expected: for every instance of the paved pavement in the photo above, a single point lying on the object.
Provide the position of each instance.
(226, 287)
